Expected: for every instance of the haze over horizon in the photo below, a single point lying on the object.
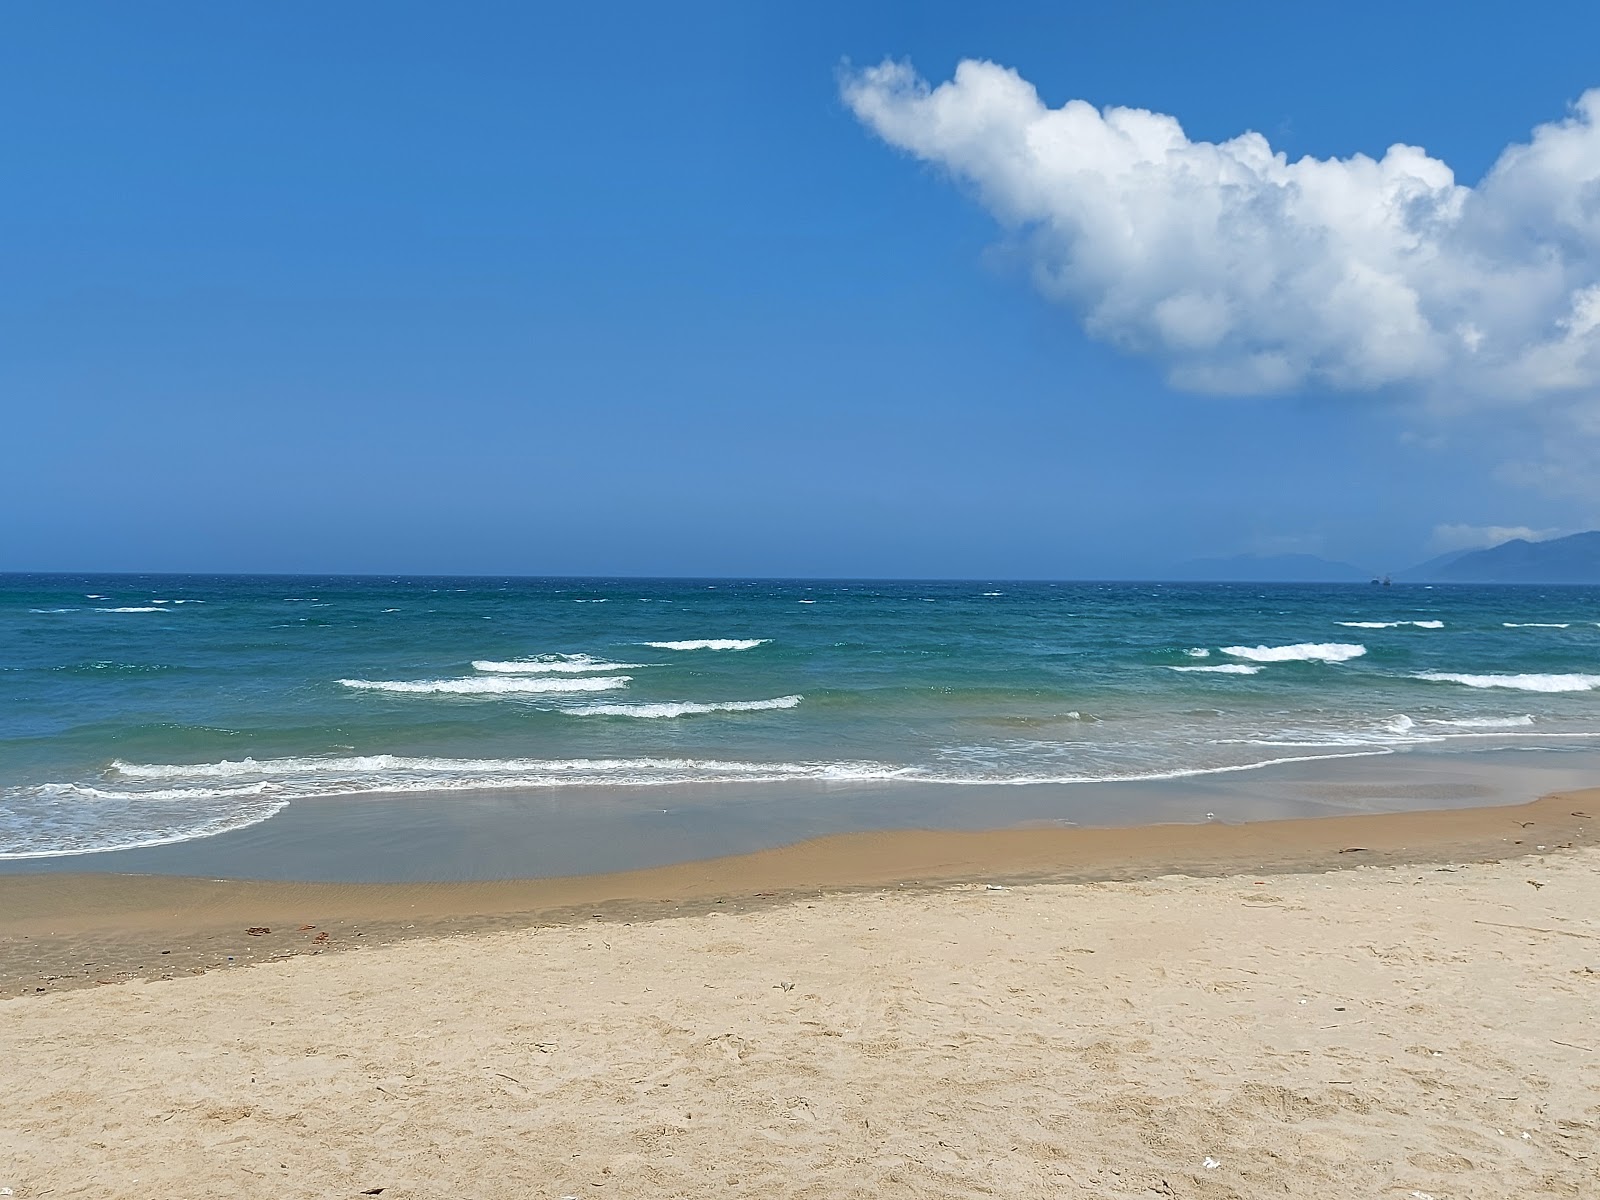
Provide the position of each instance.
(919, 291)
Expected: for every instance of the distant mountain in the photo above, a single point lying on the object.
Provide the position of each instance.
(1432, 570)
(1269, 568)
(1573, 559)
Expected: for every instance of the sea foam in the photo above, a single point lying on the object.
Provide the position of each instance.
(1483, 722)
(553, 664)
(1521, 683)
(1222, 669)
(681, 708)
(47, 835)
(1390, 624)
(316, 776)
(1328, 652)
(491, 686)
(710, 644)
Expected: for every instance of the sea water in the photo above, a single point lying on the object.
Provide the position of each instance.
(147, 711)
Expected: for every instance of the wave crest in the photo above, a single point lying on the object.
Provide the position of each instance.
(1328, 652)
(1390, 624)
(682, 708)
(1521, 683)
(514, 685)
(552, 664)
(1484, 722)
(710, 644)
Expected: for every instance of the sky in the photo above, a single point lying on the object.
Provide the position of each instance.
(921, 289)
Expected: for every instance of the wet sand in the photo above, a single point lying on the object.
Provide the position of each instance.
(63, 931)
(907, 1014)
(529, 834)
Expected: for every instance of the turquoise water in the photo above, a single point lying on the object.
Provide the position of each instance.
(141, 711)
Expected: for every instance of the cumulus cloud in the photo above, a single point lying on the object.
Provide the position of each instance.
(1476, 537)
(1245, 272)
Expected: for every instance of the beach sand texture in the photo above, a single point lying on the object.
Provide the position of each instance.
(1373, 1032)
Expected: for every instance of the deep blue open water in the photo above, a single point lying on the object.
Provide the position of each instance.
(139, 711)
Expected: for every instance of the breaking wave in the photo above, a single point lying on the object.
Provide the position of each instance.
(710, 644)
(1328, 652)
(553, 664)
(490, 686)
(1521, 683)
(681, 708)
(1484, 722)
(1390, 624)
(1222, 669)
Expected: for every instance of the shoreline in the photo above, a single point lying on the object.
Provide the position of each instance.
(61, 931)
(421, 836)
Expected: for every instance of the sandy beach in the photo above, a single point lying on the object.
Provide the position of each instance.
(919, 1015)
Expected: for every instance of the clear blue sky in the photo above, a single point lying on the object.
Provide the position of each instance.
(630, 289)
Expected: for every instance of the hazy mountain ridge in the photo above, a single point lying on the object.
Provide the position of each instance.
(1571, 559)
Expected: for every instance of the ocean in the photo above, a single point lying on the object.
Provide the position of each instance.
(141, 712)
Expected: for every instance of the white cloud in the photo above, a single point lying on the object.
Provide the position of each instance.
(1475, 537)
(1245, 272)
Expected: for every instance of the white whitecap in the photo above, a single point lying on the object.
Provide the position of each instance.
(1390, 624)
(682, 708)
(1521, 683)
(1537, 624)
(1198, 652)
(710, 644)
(1328, 652)
(131, 609)
(1222, 669)
(552, 664)
(490, 686)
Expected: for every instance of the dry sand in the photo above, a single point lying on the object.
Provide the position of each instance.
(1375, 1031)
